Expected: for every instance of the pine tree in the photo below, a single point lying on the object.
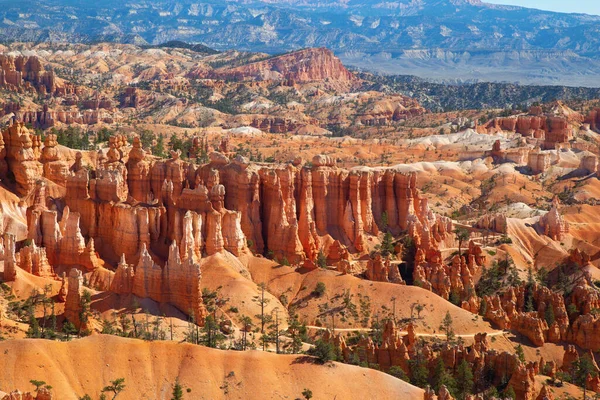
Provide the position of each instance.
(581, 369)
(454, 298)
(34, 327)
(399, 373)
(529, 303)
(464, 380)
(509, 393)
(387, 245)
(159, 148)
(462, 235)
(520, 353)
(212, 335)
(107, 327)
(419, 307)
(274, 332)
(447, 326)
(246, 327)
(321, 260)
(384, 221)
(37, 384)
(294, 328)
(418, 368)
(262, 302)
(442, 377)
(116, 387)
(69, 329)
(177, 391)
(323, 350)
(86, 301)
(549, 314)
(307, 394)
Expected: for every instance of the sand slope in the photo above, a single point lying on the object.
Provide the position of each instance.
(86, 365)
(298, 287)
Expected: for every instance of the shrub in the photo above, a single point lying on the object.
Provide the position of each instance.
(399, 373)
(321, 260)
(324, 351)
(319, 289)
(504, 239)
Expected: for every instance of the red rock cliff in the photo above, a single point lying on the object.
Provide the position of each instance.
(309, 65)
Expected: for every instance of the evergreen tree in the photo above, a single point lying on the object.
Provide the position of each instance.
(442, 377)
(69, 329)
(418, 368)
(52, 332)
(294, 328)
(34, 327)
(454, 298)
(177, 391)
(520, 353)
(212, 336)
(399, 373)
(107, 327)
(464, 380)
(262, 302)
(307, 394)
(387, 245)
(324, 351)
(581, 369)
(529, 303)
(384, 221)
(246, 327)
(86, 301)
(419, 307)
(321, 260)
(447, 326)
(125, 325)
(37, 384)
(549, 314)
(319, 289)
(509, 393)
(116, 387)
(159, 148)
(274, 332)
(462, 235)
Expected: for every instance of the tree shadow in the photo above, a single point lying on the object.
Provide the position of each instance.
(578, 173)
(305, 360)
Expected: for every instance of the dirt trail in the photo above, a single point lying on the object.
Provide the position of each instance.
(439, 335)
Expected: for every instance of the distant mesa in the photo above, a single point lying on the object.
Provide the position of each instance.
(308, 65)
(178, 44)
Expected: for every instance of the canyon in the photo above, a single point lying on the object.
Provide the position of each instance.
(240, 214)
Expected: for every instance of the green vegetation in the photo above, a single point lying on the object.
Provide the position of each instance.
(464, 380)
(115, 387)
(321, 260)
(387, 245)
(177, 391)
(73, 137)
(399, 373)
(319, 289)
(441, 376)
(178, 144)
(323, 351)
(440, 97)
(447, 326)
(520, 353)
(307, 394)
(462, 235)
(500, 275)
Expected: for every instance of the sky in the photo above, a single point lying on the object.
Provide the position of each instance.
(578, 6)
